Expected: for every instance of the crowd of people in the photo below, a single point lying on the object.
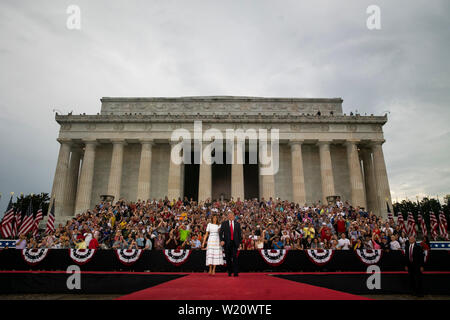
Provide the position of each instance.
(181, 224)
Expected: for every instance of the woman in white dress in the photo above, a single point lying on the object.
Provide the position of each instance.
(214, 254)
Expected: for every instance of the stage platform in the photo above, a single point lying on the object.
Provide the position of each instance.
(201, 286)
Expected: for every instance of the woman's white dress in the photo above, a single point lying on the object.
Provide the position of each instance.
(214, 253)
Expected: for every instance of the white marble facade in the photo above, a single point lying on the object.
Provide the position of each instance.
(125, 150)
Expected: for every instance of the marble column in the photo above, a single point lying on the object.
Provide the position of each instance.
(60, 179)
(145, 170)
(369, 180)
(237, 174)
(383, 190)
(205, 174)
(84, 193)
(267, 180)
(326, 171)
(356, 181)
(115, 172)
(72, 181)
(298, 178)
(175, 182)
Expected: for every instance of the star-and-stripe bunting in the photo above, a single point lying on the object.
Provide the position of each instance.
(443, 226)
(38, 219)
(440, 245)
(401, 222)
(28, 221)
(6, 226)
(433, 226)
(411, 225)
(422, 225)
(51, 220)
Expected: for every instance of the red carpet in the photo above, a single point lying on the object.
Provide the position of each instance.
(248, 286)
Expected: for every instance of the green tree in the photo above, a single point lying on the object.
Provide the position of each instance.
(22, 202)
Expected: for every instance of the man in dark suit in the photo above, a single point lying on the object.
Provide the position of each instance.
(414, 265)
(230, 238)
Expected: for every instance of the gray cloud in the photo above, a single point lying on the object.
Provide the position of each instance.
(257, 48)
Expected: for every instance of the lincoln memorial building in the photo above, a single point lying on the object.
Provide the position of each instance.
(125, 152)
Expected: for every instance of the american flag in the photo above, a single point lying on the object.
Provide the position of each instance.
(28, 221)
(37, 220)
(411, 225)
(390, 218)
(434, 226)
(401, 222)
(6, 226)
(422, 225)
(443, 226)
(51, 220)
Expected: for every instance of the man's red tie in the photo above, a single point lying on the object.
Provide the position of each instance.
(231, 229)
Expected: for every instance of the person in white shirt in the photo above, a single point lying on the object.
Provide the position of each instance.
(343, 243)
(395, 245)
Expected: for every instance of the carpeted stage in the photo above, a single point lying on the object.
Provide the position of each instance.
(180, 275)
(201, 286)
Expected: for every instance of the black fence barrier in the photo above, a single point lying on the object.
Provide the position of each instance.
(194, 261)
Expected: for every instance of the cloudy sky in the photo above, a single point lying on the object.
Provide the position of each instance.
(242, 47)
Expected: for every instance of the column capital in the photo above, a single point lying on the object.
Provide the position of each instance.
(351, 142)
(294, 142)
(65, 141)
(324, 143)
(93, 142)
(118, 141)
(147, 141)
(376, 142)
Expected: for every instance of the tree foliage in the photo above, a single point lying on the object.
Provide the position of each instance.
(23, 202)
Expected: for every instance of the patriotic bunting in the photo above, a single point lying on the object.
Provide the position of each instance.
(81, 256)
(273, 257)
(369, 257)
(128, 257)
(320, 257)
(177, 256)
(34, 256)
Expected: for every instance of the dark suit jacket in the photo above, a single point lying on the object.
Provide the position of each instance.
(225, 234)
(418, 256)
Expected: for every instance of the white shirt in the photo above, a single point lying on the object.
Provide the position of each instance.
(395, 245)
(344, 244)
